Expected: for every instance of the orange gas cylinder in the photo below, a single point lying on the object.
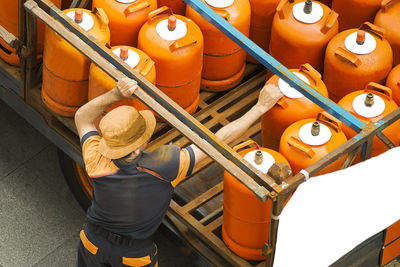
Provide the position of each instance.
(100, 82)
(262, 14)
(371, 105)
(9, 16)
(224, 60)
(352, 13)
(389, 19)
(305, 142)
(65, 70)
(246, 219)
(292, 107)
(393, 82)
(126, 18)
(354, 58)
(328, 3)
(177, 6)
(175, 43)
(300, 33)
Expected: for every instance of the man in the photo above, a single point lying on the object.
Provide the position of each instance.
(132, 189)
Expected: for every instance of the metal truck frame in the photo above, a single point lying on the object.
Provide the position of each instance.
(18, 92)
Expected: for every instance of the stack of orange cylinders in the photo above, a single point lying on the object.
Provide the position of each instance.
(175, 43)
(393, 82)
(356, 57)
(292, 107)
(66, 70)
(389, 19)
(126, 18)
(299, 37)
(371, 105)
(177, 6)
(100, 82)
(352, 13)
(9, 15)
(224, 60)
(246, 219)
(307, 141)
(262, 14)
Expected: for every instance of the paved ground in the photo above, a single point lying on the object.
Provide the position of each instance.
(39, 218)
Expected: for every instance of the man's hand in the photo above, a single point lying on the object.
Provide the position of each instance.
(126, 87)
(269, 95)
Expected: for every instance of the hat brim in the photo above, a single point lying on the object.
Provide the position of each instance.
(117, 153)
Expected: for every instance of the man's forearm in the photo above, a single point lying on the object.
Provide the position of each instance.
(237, 128)
(93, 109)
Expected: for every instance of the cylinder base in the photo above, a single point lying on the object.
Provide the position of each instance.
(244, 252)
(223, 85)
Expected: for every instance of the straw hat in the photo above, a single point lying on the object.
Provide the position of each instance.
(124, 129)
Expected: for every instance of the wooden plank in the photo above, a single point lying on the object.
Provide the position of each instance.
(211, 215)
(215, 224)
(209, 194)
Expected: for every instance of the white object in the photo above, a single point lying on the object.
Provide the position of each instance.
(333, 213)
(126, 1)
(87, 20)
(306, 137)
(368, 112)
(220, 3)
(179, 32)
(288, 90)
(367, 47)
(268, 160)
(315, 15)
(133, 57)
(306, 174)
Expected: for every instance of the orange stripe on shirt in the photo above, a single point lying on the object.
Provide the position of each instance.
(96, 164)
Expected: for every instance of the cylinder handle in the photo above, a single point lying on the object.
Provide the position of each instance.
(246, 143)
(348, 57)
(386, 4)
(158, 11)
(327, 118)
(379, 89)
(297, 145)
(360, 37)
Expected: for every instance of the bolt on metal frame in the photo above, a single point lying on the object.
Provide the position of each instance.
(263, 186)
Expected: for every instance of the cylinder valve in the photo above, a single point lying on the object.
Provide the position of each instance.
(258, 158)
(369, 100)
(315, 129)
(171, 23)
(78, 15)
(124, 53)
(308, 7)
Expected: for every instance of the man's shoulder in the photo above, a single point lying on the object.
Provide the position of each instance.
(164, 161)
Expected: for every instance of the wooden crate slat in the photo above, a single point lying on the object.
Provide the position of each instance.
(210, 238)
(215, 224)
(209, 194)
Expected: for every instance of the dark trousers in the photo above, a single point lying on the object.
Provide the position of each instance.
(96, 251)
